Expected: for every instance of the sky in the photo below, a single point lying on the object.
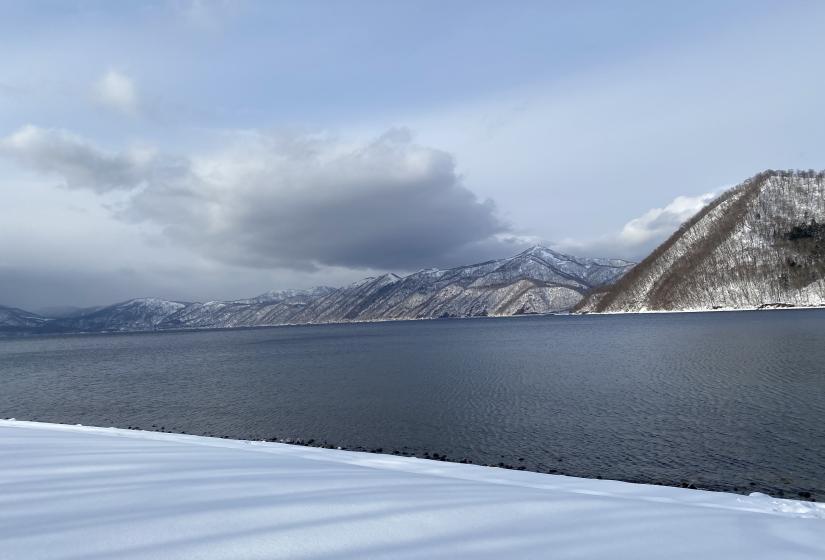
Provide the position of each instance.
(198, 150)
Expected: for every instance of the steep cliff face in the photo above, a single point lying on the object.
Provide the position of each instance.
(759, 244)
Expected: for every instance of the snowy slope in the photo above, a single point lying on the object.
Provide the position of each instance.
(271, 308)
(11, 317)
(759, 244)
(538, 280)
(133, 315)
(294, 296)
(96, 493)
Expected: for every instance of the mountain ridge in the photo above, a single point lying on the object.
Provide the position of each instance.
(537, 280)
(13, 317)
(759, 244)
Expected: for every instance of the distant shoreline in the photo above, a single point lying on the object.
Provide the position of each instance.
(22, 333)
(719, 310)
(745, 489)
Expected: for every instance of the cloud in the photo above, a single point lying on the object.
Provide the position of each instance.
(288, 201)
(117, 91)
(658, 223)
(80, 164)
(640, 235)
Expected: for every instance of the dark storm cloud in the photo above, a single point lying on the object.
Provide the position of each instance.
(297, 202)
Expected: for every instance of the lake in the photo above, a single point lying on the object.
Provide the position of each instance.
(724, 401)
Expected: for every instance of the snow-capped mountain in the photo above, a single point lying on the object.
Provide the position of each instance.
(133, 315)
(13, 318)
(538, 280)
(294, 296)
(760, 244)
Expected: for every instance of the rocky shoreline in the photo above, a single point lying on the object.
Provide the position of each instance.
(509, 463)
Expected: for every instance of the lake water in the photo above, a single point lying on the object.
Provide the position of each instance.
(725, 401)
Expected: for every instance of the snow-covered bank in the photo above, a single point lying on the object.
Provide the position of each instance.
(764, 307)
(75, 492)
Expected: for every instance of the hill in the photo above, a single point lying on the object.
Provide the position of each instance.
(760, 244)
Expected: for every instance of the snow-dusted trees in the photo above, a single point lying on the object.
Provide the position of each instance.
(762, 242)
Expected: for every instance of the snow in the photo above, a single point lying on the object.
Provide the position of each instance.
(73, 492)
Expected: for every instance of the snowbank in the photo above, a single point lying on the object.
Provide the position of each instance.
(71, 492)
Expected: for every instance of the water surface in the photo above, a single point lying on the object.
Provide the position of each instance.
(726, 401)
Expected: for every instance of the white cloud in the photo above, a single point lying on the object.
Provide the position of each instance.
(80, 164)
(117, 91)
(640, 235)
(658, 223)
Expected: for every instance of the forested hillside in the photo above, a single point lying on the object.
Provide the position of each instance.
(759, 244)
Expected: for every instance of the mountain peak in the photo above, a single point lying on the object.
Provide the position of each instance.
(275, 296)
(542, 251)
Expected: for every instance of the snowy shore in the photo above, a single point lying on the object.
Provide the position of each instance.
(72, 492)
(767, 307)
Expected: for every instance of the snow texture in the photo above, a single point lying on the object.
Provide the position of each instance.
(71, 493)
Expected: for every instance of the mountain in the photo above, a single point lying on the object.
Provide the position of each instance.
(133, 315)
(13, 318)
(538, 280)
(760, 244)
(271, 308)
(293, 296)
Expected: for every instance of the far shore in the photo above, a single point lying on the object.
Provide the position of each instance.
(11, 333)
